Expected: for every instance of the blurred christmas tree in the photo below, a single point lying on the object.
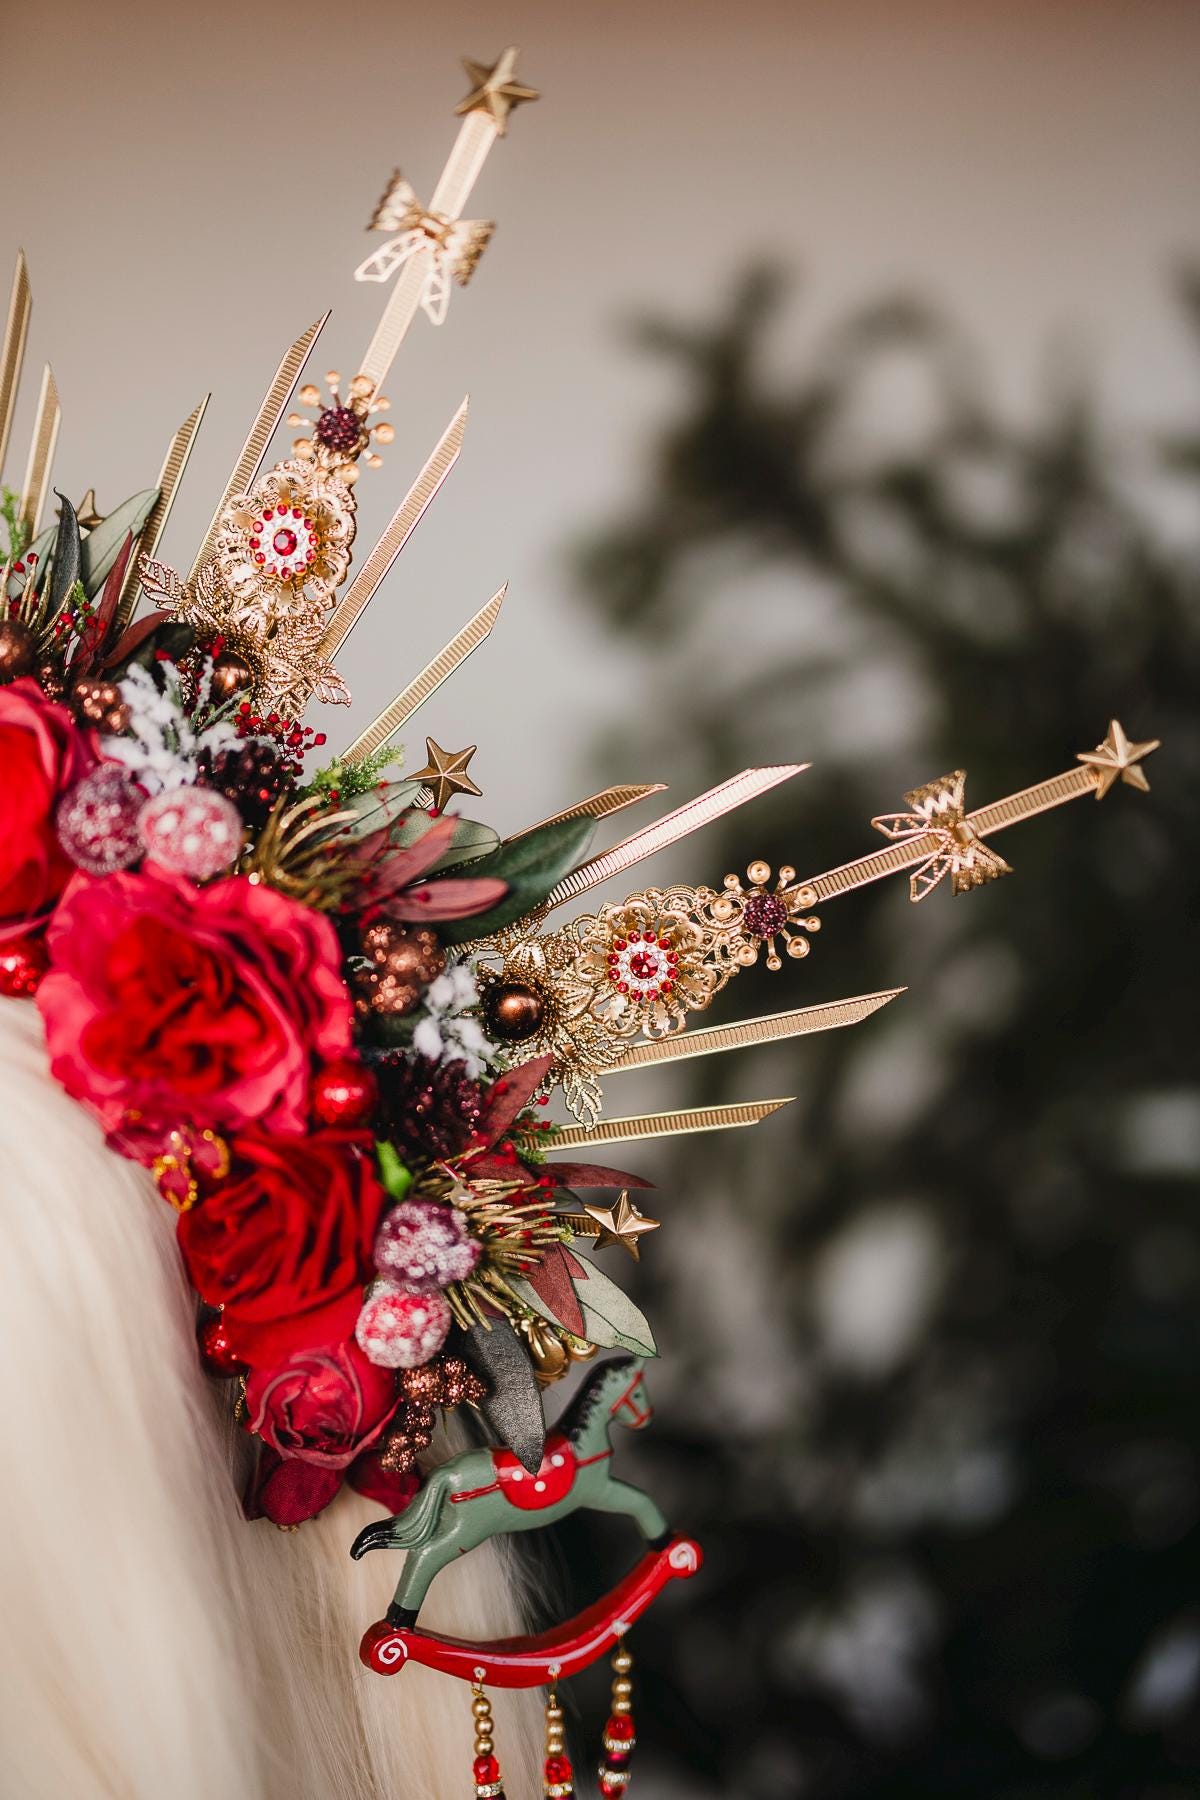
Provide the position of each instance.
(930, 1390)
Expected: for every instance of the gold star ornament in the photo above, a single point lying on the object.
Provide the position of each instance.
(621, 1224)
(446, 772)
(494, 91)
(1117, 757)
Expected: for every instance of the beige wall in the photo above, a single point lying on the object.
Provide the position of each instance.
(191, 182)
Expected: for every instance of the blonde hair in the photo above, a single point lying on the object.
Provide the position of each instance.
(151, 1641)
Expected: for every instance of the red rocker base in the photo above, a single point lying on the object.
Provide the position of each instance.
(526, 1662)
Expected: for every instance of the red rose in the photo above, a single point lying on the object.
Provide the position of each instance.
(322, 1406)
(169, 1005)
(288, 1492)
(42, 753)
(284, 1244)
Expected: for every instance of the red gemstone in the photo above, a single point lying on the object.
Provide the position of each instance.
(268, 512)
(620, 1725)
(283, 543)
(485, 1769)
(643, 965)
(23, 962)
(558, 1769)
(764, 914)
(344, 1092)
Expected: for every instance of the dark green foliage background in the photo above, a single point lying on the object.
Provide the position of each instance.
(971, 1571)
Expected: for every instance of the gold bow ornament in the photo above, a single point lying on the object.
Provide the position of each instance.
(454, 245)
(938, 812)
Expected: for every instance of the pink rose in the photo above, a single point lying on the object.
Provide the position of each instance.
(168, 1005)
(42, 754)
(322, 1406)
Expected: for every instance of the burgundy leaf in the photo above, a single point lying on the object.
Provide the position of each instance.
(137, 634)
(448, 899)
(511, 1095)
(94, 633)
(551, 1280)
(591, 1175)
(391, 873)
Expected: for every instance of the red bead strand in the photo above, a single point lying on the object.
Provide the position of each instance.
(619, 1734)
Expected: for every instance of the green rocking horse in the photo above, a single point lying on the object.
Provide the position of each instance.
(483, 1493)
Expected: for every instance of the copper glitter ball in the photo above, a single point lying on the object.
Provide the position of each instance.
(96, 701)
(16, 649)
(513, 1011)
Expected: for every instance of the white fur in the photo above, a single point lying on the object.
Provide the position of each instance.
(151, 1642)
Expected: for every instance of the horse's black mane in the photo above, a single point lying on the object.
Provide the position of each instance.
(577, 1415)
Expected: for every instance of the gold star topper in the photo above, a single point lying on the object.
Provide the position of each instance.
(621, 1224)
(494, 91)
(446, 771)
(1116, 757)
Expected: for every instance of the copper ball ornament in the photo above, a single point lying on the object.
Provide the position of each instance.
(17, 649)
(231, 674)
(405, 961)
(96, 702)
(513, 1011)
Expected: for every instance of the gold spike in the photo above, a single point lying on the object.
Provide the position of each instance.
(275, 404)
(766, 1030)
(678, 824)
(404, 522)
(664, 1124)
(597, 806)
(16, 329)
(169, 477)
(401, 709)
(41, 452)
(936, 836)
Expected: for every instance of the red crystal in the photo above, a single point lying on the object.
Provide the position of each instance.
(764, 914)
(485, 1769)
(643, 964)
(620, 1725)
(23, 962)
(216, 1351)
(557, 1769)
(344, 1092)
(283, 543)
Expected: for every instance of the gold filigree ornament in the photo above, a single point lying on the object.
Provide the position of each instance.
(634, 970)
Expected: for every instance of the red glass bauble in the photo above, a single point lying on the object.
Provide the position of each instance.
(23, 962)
(216, 1351)
(344, 1093)
(485, 1769)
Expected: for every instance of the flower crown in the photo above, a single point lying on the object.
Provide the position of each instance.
(322, 1006)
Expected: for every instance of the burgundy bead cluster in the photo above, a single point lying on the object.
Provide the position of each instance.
(764, 914)
(428, 1110)
(339, 428)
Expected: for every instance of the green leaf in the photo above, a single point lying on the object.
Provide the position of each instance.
(382, 804)
(530, 865)
(395, 1176)
(102, 546)
(471, 841)
(610, 1318)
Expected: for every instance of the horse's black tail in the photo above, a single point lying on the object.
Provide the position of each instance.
(413, 1526)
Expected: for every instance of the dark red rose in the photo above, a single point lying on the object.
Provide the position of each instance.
(169, 1005)
(42, 754)
(323, 1406)
(284, 1243)
(288, 1492)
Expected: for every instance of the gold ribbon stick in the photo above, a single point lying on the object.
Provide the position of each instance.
(450, 248)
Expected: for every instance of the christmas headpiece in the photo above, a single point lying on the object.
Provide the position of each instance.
(323, 1007)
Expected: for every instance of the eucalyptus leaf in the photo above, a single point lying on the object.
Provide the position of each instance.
(610, 1317)
(102, 545)
(471, 841)
(381, 805)
(530, 865)
(513, 1406)
(65, 570)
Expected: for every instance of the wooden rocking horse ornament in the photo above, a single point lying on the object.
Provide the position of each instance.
(483, 1493)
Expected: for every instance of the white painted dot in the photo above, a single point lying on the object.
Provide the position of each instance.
(539, 1487)
(556, 1462)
